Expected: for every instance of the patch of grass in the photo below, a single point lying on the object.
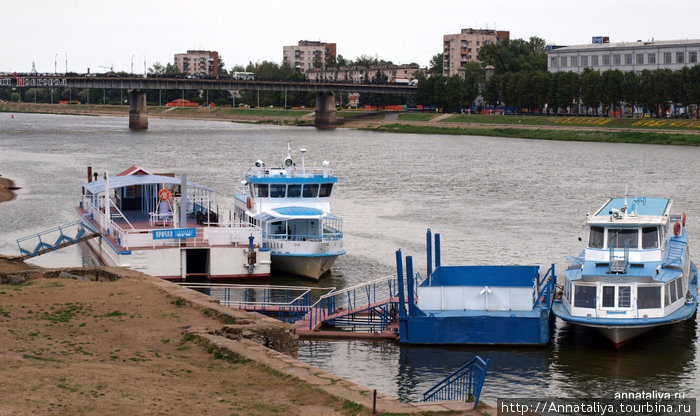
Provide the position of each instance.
(613, 122)
(4, 313)
(64, 314)
(647, 137)
(418, 116)
(178, 302)
(34, 357)
(352, 406)
(113, 314)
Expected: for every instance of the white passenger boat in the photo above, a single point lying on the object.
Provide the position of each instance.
(635, 273)
(292, 206)
(169, 227)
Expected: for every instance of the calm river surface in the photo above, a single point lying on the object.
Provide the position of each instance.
(493, 200)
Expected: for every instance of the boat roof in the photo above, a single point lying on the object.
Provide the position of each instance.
(640, 210)
(295, 213)
(98, 186)
(284, 178)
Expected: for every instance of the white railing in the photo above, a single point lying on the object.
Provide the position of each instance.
(291, 172)
(220, 233)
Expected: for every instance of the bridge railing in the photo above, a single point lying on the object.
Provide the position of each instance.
(464, 384)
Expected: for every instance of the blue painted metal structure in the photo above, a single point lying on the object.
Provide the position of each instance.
(463, 384)
(82, 231)
(472, 324)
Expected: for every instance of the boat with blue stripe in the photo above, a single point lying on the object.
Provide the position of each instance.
(292, 206)
(635, 273)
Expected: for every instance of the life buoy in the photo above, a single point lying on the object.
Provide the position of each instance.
(683, 219)
(163, 194)
(247, 203)
(677, 228)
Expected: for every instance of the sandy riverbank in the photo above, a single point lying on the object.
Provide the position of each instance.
(6, 188)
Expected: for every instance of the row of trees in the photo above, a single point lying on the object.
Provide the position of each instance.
(520, 79)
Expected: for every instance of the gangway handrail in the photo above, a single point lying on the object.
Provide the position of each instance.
(464, 383)
(327, 304)
(43, 247)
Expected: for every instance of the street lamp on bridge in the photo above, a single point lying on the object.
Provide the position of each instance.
(132, 64)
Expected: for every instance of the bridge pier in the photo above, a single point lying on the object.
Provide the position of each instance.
(325, 117)
(138, 111)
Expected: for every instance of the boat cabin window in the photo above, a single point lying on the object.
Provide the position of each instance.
(648, 297)
(277, 190)
(621, 237)
(261, 190)
(325, 190)
(650, 237)
(679, 288)
(670, 295)
(623, 296)
(595, 240)
(293, 191)
(608, 296)
(310, 190)
(584, 296)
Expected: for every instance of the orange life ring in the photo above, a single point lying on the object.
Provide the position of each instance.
(684, 219)
(248, 203)
(163, 194)
(677, 228)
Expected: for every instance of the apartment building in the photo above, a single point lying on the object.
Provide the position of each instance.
(198, 62)
(463, 47)
(625, 56)
(359, 74)
(308, 55)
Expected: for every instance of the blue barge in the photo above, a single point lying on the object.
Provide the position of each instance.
(475, 304)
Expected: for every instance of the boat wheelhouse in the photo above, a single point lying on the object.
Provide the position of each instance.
(170, 228)
(292, 206)
(635, 273)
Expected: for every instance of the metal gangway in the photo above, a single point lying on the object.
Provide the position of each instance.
(286, 303)
(368, 307)
(54, 238)
(463, 384)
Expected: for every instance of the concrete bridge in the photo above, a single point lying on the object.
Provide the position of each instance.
(325, 116)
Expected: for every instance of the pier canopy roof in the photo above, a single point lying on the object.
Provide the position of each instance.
(97, 187)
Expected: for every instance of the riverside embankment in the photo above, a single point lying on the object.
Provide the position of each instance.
(101, 340)
(598, 129)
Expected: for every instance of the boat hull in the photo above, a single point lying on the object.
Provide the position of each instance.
(225, 263)
(619, 333)
(312, 267)
(485, 327)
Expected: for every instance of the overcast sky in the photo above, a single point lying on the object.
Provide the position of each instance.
(96, 33)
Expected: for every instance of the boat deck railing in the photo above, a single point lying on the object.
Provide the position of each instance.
(304, 237)
(463, 384)
(221, 231)
(290, 172)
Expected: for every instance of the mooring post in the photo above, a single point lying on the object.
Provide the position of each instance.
(428, 243)
(399, 273)
(437, 250)
(409, 285)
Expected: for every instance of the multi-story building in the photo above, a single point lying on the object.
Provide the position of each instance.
(198, 62)
(359, 73)
(308, 55)
(625, 56)
(463, 47)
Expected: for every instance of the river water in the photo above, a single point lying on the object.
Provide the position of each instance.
(493, 200)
